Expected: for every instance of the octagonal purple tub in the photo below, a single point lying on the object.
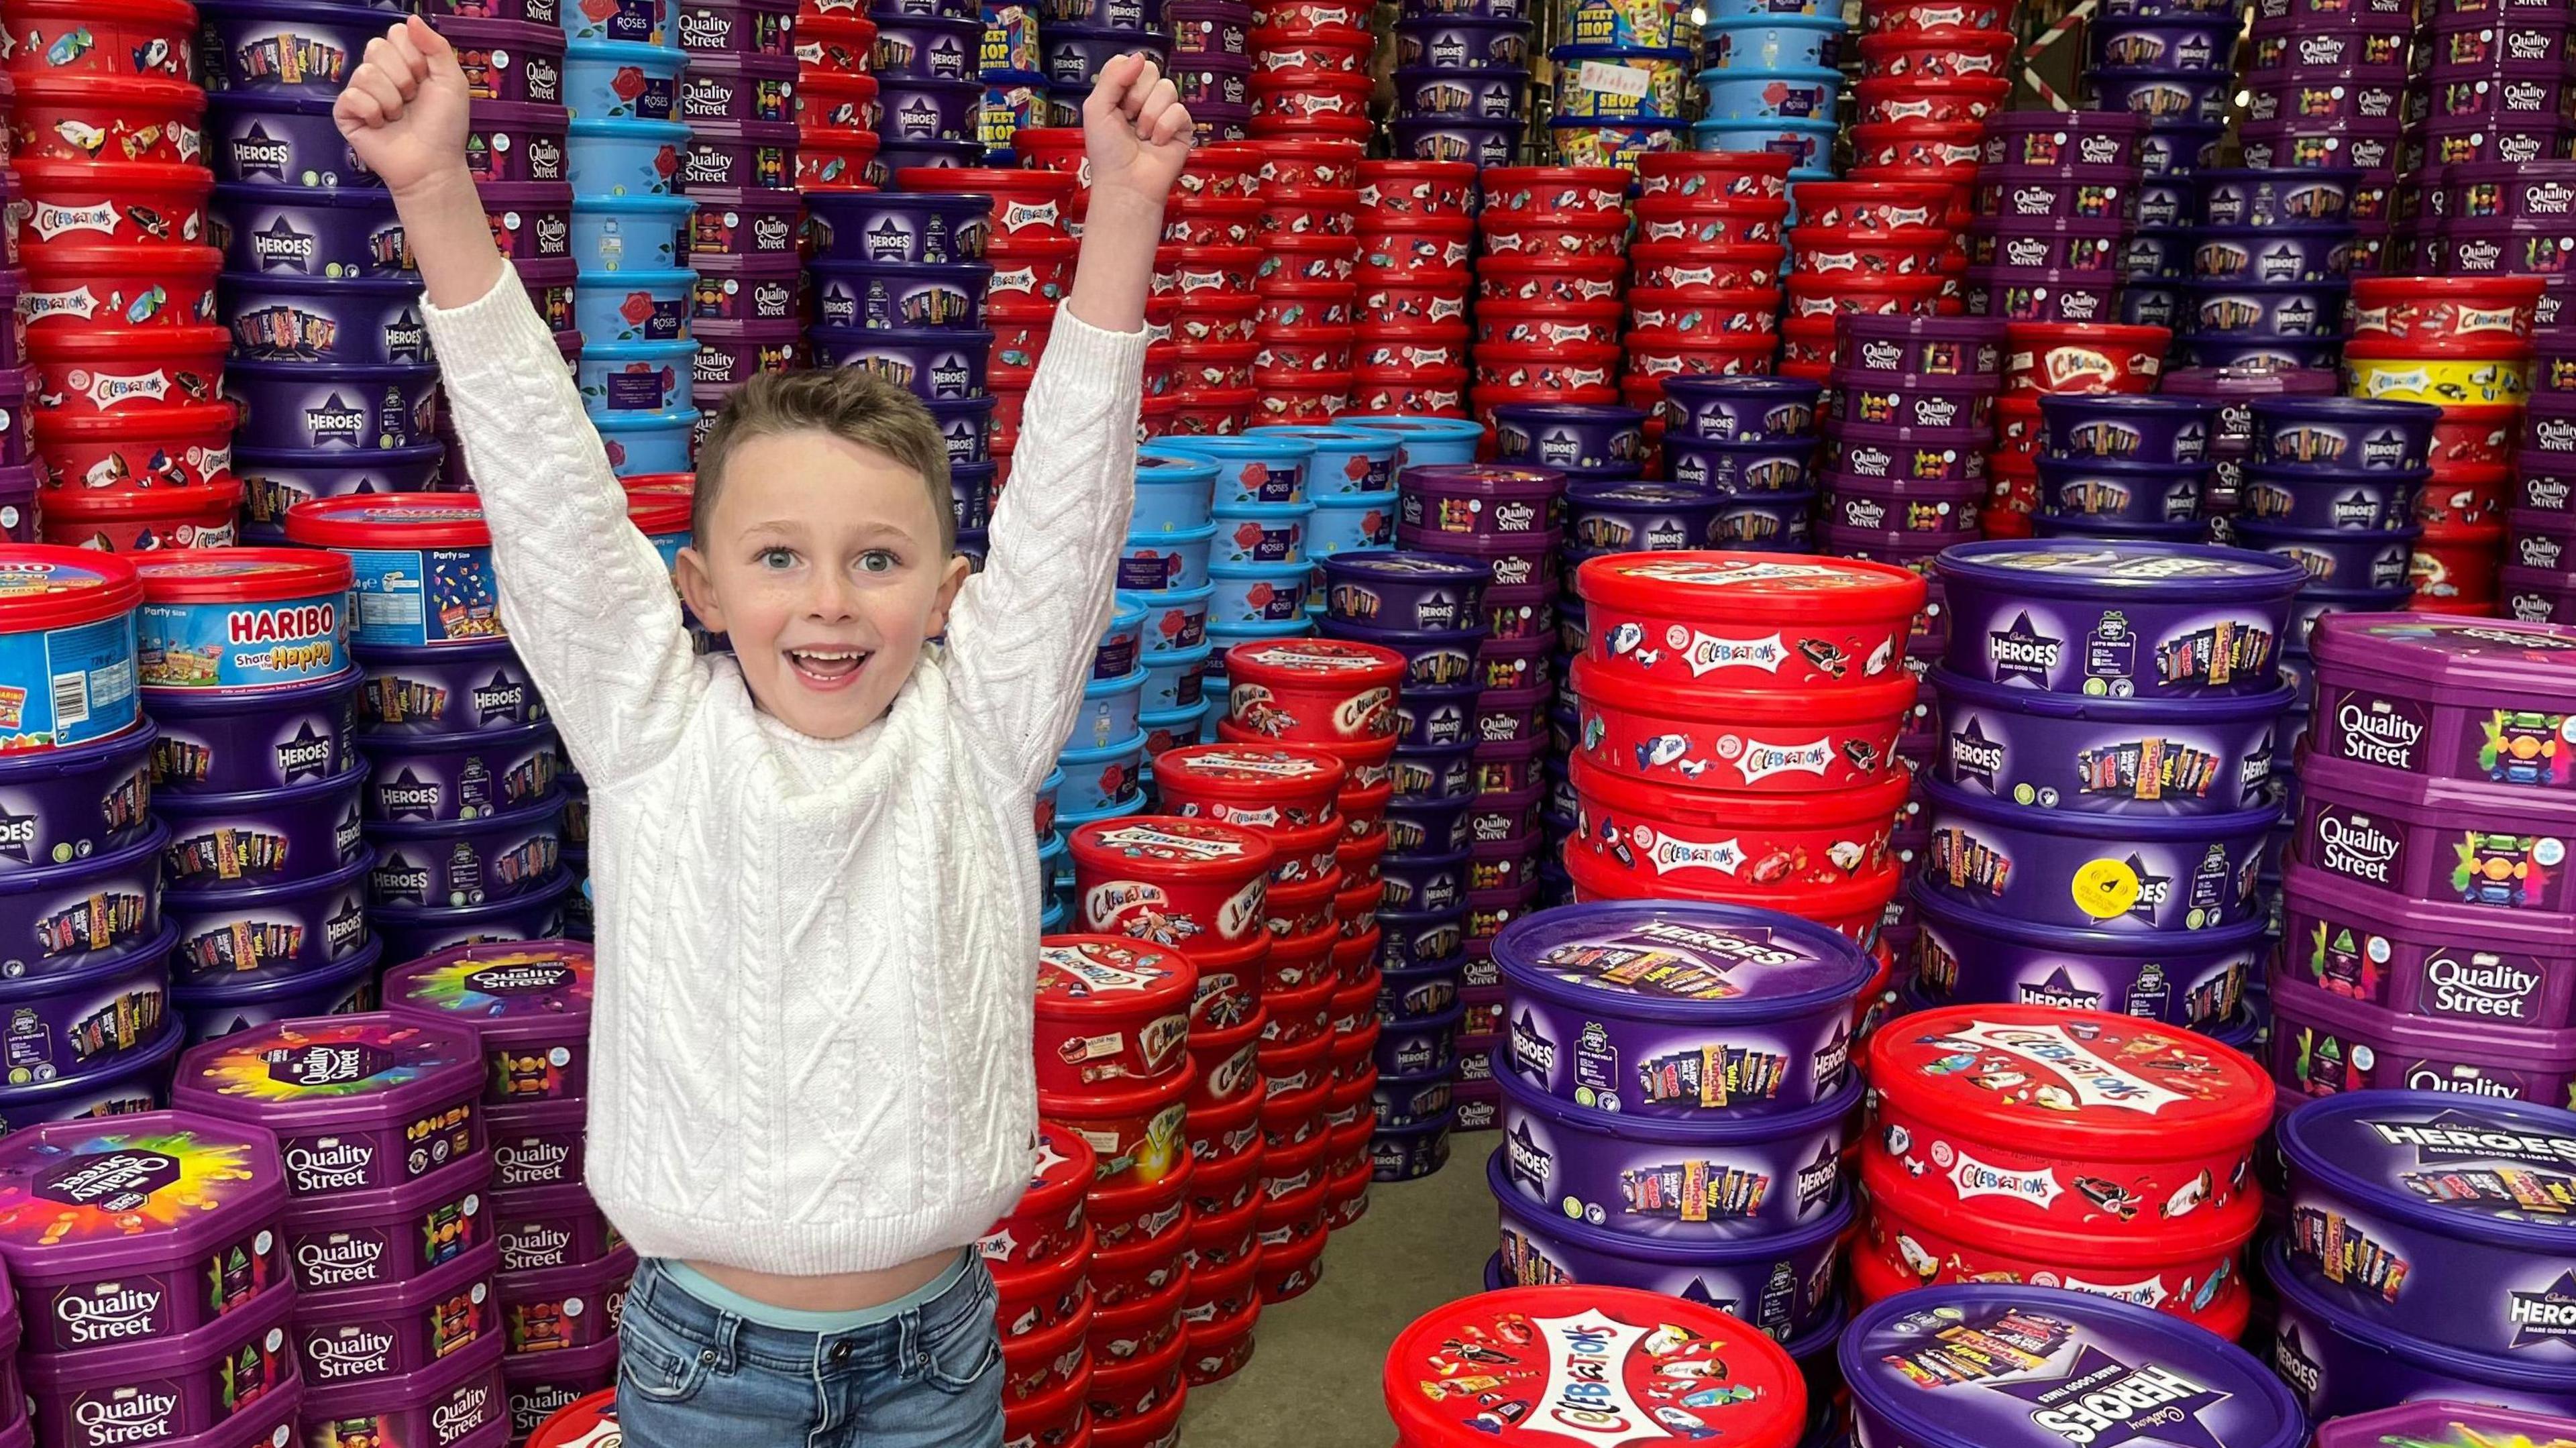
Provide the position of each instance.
(381, 1335)
(2194, 978)
(2092, 871)
(1593, 1024)
(1674, 1181)
(232, 1382)
(1782, 1284)
(2118, 619)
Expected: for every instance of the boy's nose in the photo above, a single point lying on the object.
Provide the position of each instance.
(833, 599)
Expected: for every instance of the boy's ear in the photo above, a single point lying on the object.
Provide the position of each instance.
(698, 588)
(951, 579)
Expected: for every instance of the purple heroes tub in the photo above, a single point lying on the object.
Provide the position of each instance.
(61, 917)
(2094, 871)
(458, 776)
(2340, 1362)
(2436, 1217)
(456, 689)
(468, 862)
(1558, 435)
(2486, 702)
(137, 1230)
(2342, 434)
(1990, 1366)
(58, 806)
(2438, 840)
(359, 1103)
(2190, 978)
(263, 837)
(1740, 409)
(527, 1002)
(1781, 1283)
(2102, 491)
(2126, 428)
(2156, 620)
(1680, 1011)
(1677, 1181)
(2108, 756)
(884, 227)
(111, 1010)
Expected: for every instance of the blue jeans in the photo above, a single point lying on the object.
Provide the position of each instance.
(695, 1376)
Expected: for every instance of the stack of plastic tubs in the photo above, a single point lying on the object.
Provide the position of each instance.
(1029, 220)
(255, 760)
(75, 1264)
(1868, 248)
(1619, 101)
(441, 694)
(2269, 255)
(1350, 481)
(562, 1268)
(387, 1228)
(1416, 233)
(1216, 83)
(2494, 82)
(130, 312)
(2126, 467)
(1011, 63)
(1039, 1256)
(927, 60)
(116, 243)
(1772, 83)
(1920, 127)
(2052, 190)
(1209, 29)
(739, 101)
(1305, 218)
(1174, 492)
(2173, 68)
(1200, 380)
(2318, 78)
(837, 111)
(1548, 288)
(1473, 108)
(2331, 484)
(1254, 542)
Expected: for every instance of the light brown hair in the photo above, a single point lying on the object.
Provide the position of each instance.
(849, 403)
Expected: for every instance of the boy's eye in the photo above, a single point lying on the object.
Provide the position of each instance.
(777, 558)
(876, 560)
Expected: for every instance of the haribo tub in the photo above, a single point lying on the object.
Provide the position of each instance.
(242, 620)
(358, 1102)
(2151, 620)
(2437, 1216)
(66, 646)
(1679, 1011)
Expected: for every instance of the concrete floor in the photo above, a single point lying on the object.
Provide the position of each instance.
(1313, 1381)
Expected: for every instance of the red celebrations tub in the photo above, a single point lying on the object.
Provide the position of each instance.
(1590, 1367)
(1325, 691)
(1110, 1009)
(1993, 1366)
(1172, 881)
(1746, 619)
(2070, 1148)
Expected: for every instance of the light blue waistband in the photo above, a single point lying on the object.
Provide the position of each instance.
(724, 1299)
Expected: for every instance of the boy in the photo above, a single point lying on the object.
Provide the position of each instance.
(816, 881)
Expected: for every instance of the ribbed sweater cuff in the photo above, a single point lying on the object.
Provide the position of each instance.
(1093, 356)
(486, 336)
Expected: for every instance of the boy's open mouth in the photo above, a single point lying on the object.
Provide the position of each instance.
(827, 668)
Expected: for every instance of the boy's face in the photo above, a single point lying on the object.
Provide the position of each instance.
(823, 566)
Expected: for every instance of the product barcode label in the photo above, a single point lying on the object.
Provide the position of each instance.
(71, 699)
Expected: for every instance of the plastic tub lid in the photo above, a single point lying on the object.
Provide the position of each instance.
(241, 575)
(1257, 773)
(390, 520)
(76, 1195)
(2092, 1093)
(1692, 962)
(2466, 653)
(334, 1070)
(43, 586)
(504, 991)
(2094, 569)
(1984, 1365)
(2363, 1143)
(1754, 587)
(1091, 975)
(1622, 1346)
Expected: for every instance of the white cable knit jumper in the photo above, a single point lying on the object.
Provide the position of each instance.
(810, 1045)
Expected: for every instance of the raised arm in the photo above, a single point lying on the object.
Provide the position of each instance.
(1022, 633)
(589, 605)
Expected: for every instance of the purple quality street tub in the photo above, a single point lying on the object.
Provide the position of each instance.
(262, 837)
(563, 1309)
(2339, 1362)
(1681, 1011)
(62, 916)
(451, 690)
(2438, 840)
(543, 1384)
(2375, 501)
(2406, 1211)
(2448, 698)
(2327, 1045)
(2125, 428)
(230, 1382)
(409, 934)
(2342, 434)
(548, 1227)
(2117, 619)
(110, 1010)
(139, 1230)
(537, 1144)
(359, 1103)
(1676, 1181)
(372, 1334)
(451, 1401)
(59, 806)
(1782, 1283)
(2186, 978)
(527, 1003)
(2441, 962)
(392, 1234)
(467, 862)
(1910, 454)
(2131, 757)
(1988, 1365)
(458, 776)
(2095, 872)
